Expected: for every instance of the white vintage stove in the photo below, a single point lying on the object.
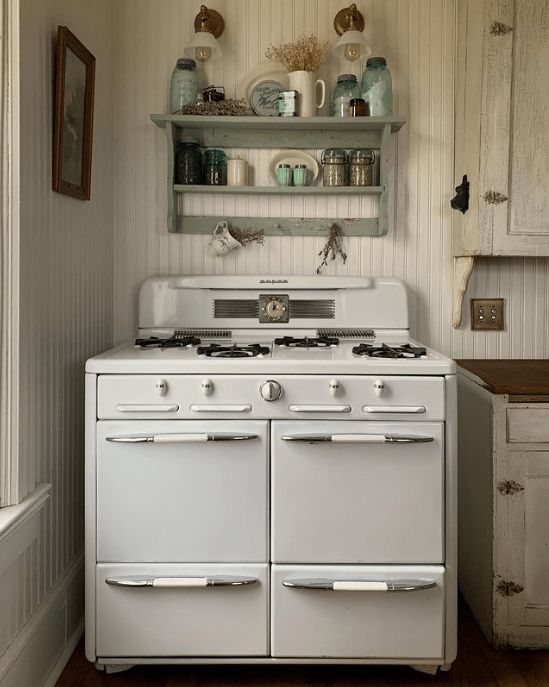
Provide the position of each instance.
(271, 477)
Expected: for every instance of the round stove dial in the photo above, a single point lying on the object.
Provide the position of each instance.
(275, 308)
(270, 390)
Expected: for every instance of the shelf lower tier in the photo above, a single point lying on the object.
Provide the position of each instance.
(284, 226)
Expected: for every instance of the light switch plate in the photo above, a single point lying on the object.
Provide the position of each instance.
(487, 314)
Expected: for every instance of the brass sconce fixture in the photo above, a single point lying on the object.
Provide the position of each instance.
(349, 24)
(208, 25)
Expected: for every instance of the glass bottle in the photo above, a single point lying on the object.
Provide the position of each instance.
(345, 89)
(377, 87)
(215, 167)
(183, 84)
(188, 162)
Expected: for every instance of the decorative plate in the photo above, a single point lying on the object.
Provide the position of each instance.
(293, 158)
(264, 98)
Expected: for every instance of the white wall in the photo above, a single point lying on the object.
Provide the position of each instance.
(417, 36)
(66, 316)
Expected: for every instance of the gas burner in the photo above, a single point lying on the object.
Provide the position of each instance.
(235, 351)
(171, 342)
(385, 351)
(306, 342)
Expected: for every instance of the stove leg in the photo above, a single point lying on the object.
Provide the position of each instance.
(111, 668)
(445, 667)
(429, 669)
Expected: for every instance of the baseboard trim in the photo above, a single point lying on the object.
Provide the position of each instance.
(56, 597)
(71, 645)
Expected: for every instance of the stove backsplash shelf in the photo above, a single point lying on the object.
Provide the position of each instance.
(274, 132)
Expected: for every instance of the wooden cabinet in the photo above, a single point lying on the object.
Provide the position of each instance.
(286, 133)
(501, 132)
(504, 511)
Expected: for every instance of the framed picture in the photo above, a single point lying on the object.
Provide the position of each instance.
(72, 142)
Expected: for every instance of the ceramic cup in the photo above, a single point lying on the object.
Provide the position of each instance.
(222, 242)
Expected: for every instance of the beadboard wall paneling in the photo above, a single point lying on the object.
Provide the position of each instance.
(418, 38)
(66, 298)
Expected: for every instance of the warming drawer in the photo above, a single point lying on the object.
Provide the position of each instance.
(182, 610)
(357, 492)
(357, 612)
(182, 491)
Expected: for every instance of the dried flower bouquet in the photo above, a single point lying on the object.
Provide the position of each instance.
(306, 53)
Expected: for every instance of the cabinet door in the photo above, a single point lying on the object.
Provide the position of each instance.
(514, 155)
(524, 540)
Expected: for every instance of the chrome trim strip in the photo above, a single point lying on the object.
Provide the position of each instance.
(220, 408)
(416, 410)
(180, 438)
(349, 585)
(187, 582)
(146, 408)
(308, 408)
(358, 438)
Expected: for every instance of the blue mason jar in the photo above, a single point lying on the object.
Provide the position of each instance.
(345, 90)
(183, 84)
(377, 87)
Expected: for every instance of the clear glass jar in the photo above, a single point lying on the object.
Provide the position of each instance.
(345, 90)
(334, 167)
(183, 84)
(188, 162)
(377, 87)
(361, 167)
(215, 167)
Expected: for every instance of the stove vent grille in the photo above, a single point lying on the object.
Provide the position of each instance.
(203, 333)
(347, 333)
(248, 308)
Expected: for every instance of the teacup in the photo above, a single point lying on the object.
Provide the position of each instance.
(222, 242)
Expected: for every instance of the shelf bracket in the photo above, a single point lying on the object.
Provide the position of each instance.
(463, 267)
(384, 180)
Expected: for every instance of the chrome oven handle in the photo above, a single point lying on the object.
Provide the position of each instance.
(182, 582)
(399, 410)
(147, 408)
(309, 408)
(358, 438)
(221, 408)
(179, 438)
(388, 585)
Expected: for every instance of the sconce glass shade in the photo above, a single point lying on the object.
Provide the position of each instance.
(203, 46)
(352, 45)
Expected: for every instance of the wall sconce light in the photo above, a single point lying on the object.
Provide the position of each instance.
(208, 25)
(349, 24)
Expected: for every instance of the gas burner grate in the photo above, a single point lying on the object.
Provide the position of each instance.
(175, 341)
(235, 351)
(306, 342)
(385, 351)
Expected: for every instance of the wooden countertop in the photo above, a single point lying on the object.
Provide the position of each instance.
(513, 377)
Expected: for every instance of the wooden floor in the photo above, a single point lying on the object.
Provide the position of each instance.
(477, 665)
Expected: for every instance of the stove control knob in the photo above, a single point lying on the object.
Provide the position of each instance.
(378, 387)
(207, 387)
(334, 387)
(270, 390)
(161, 387)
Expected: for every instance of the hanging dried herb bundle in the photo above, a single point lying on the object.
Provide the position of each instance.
(245, 236)
(332, 248)
(306, 53)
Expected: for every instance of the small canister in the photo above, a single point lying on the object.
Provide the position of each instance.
(288, 104)
(358, 108)
(300, 175)
(361, 167)
(284, 175)
(334, 167)
(215, 167)
(237, 172)
(188, 162)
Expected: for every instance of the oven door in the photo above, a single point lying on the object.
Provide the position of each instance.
(357, 492)
(182, 491)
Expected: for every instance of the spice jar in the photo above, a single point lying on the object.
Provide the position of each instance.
(358, 108)
(345, 90)
(284, 175)
(334, 167)
(361, 167)
(188, 162)
(299, 175)
(183, 84)
(215, 167)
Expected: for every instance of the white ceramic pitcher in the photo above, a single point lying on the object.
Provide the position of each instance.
(306, 84)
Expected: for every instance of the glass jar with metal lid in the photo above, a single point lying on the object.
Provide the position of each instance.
(188, 162)
(345, 90)
(361, 167)
(334, 167)
(215, 167)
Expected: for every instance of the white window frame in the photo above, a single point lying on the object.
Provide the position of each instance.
(10, 482)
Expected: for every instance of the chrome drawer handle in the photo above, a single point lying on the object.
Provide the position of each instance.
(319, 409)
(415, 410)
(388, 585)
(224, 408)
(146, 408)
(182, 582)
(180, 438)
(358, 438)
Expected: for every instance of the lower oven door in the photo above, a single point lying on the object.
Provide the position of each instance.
(357, 492)
(358, 612)
(182, 491)
(182, 610)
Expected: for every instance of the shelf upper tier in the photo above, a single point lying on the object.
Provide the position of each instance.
(282, 190)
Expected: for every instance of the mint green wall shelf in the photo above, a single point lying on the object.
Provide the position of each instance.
(275, 132)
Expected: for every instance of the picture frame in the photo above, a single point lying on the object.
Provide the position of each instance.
(73, 116)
